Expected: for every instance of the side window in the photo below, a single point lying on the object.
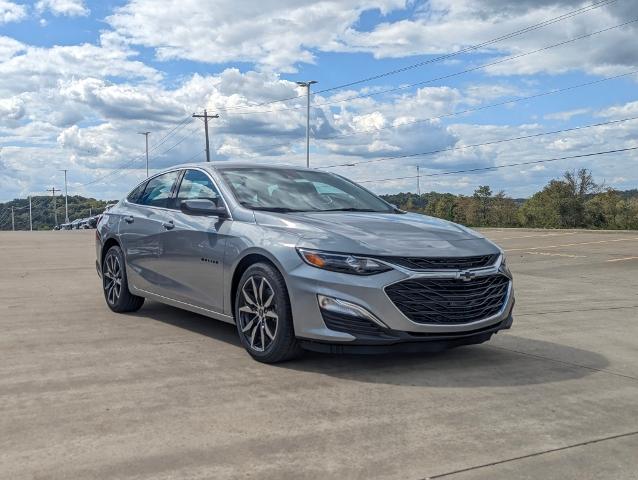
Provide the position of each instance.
(158, 190)
(196, 185)
(134, 196)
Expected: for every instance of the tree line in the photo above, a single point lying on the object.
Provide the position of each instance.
(573, 201)
(43, 213)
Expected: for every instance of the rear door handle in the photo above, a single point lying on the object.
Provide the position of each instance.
(129, 219)
(168, 225)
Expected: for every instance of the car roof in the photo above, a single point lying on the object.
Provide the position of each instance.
(227, 165)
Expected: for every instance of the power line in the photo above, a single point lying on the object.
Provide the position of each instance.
(482, 107)
(492, 142)
(123, 168)
(471, 48)
(478, 46)
(162, 140)
(444, 77)
(196, 155)
(480, 169)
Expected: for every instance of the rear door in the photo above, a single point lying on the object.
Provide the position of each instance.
(141, 230)
(194, 249)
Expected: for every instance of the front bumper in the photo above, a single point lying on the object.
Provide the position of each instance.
(305, 282)
(405, 342)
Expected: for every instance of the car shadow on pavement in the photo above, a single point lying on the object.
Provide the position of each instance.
(507, 360)
(513, 361)
(194, 322)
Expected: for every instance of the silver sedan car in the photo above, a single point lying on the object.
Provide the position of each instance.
(301, 259)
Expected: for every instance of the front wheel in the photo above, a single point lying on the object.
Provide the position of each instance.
(116, 292)
(263, 315)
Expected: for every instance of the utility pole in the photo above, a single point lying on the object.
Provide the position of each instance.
(307, 85)
(146, 136)
(66, 199)
(13, 220)
(418, 181)
(30, 216)
(206, 116)
(55, 209)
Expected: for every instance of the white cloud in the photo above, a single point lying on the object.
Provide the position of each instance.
(11, 109)
(567, 114)
(450, 25)
(71, 8)
(629, 109)
(81, 106)
(281, 34)
(276, 34)
(11, 12)
(9, 47)
(29, 68)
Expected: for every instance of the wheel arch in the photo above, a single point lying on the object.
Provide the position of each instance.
(110, 242)
(246, 261)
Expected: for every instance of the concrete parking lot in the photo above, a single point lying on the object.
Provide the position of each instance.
(86, 393)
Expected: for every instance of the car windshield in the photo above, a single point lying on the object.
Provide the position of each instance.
(292, 190)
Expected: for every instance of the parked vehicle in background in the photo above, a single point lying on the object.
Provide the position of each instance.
(300, 258)
(91, 222)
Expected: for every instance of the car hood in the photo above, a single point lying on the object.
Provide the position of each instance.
(380, 234)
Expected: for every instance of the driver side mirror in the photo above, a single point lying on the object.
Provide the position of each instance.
(203, 206)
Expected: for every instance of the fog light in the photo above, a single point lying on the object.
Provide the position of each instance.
(342, 307)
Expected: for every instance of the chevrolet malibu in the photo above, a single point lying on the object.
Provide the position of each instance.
(301, 259)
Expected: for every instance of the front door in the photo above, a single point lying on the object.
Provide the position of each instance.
(194, 249)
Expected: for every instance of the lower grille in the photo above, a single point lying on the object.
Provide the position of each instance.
(353, 325)
(449, 301)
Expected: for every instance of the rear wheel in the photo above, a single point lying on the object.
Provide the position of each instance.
(116, 292)
(263, 315)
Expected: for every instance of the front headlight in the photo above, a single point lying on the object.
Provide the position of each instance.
(341, 263)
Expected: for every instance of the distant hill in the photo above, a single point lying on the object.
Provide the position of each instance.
(43, 213)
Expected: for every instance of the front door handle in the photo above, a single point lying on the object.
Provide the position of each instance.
(129, 219)
(168, 225)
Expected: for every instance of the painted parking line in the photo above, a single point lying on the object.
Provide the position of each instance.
(633, 239)
(622, 259)
(548, 254)
(540, 235)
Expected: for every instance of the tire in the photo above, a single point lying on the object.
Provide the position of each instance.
(263, 315)
(115, 284)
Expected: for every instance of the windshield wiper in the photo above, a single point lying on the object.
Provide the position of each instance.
(351, 209)
(271, 209)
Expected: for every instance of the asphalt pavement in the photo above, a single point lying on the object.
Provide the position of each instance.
(163, 393)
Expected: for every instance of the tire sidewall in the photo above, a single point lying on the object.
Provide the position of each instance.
(116, 251)
(285, 327)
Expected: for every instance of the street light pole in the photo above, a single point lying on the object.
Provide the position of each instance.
(146, 137)
(66, 199)
(307, 85)
(30, 216)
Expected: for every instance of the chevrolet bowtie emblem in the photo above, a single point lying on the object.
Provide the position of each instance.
(466, 275)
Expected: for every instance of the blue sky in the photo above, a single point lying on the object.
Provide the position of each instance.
(78, 80)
